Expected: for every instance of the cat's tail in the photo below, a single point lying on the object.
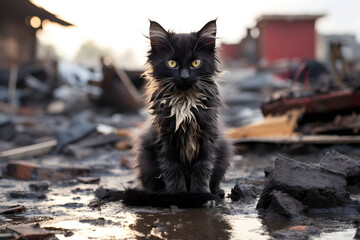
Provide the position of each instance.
(135, 197)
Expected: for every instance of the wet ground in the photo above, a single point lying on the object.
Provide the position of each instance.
(66, 207)
(63, 207)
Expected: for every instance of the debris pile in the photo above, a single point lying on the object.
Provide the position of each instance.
(294, 187)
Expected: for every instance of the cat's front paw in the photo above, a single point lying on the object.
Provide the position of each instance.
(218, 192)
(210, 204)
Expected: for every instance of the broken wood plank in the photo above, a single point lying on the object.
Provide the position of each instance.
(308, 139)
(280, 126)
(27, 232)
(124, 78)
(29, 171)
(13, 209)
(30, 150)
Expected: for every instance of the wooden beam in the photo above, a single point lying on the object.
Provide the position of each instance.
(30, 150)
(308, 139)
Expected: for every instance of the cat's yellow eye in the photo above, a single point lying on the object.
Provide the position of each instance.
(172, 63)
(196, 63)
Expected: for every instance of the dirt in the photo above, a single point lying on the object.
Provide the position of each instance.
(65, 210)
(65, 207)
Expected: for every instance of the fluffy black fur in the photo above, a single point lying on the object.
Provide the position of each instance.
(182, 154)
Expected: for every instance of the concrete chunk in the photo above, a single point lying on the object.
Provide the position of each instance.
(312, 186)
(339, 162)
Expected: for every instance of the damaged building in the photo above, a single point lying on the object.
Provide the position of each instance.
(19, 22)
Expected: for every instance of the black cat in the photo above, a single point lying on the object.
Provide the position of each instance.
(182, 153)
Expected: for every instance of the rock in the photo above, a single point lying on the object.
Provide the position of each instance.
(242, 190)
(39, 187)
(284, 205)
(77, 151)
(336, 161)
(27, 195)
(312, 186)
(72, 205)
(27, 232)
(7, 128)
(96, 222)
(236, 193)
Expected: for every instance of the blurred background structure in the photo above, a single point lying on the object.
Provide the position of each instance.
(71, 89)
(19, 22)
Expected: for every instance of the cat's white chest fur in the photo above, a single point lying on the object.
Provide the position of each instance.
(182, 106)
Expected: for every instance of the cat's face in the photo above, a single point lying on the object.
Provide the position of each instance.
(182, 59)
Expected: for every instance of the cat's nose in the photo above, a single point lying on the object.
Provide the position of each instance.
(184, 74)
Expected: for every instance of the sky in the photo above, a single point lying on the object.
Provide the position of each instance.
(121, 25)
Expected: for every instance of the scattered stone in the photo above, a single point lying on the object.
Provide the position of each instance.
(339, 162)
(77, 151)
(13, 209)
(39, 187)
(73, 205)
(88, 180)
(236, 193)
(82, 190)
(284, 205)
(96, 222)
(27, 232)
(27, 195)
(7, 128)
(313, 186)
(243, 189)
(77, 130)
(99, 140)
(64, 231)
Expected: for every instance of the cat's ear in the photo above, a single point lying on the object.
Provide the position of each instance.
(207, 35)
(157, 34)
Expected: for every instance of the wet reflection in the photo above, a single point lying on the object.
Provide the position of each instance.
(183, 224)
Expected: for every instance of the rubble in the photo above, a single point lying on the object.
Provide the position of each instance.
(243, 190)
(27, 195)
(339, 162)
(39, 186)
(284, 205)
(28, 171)
(78, 129)
(313, 186)
(7, 128)
(26, 232)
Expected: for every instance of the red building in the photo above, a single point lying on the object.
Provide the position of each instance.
(286, 37)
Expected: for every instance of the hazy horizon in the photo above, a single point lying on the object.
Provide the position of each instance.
(120, 26)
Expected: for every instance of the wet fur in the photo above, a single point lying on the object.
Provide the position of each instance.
(182, 149)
